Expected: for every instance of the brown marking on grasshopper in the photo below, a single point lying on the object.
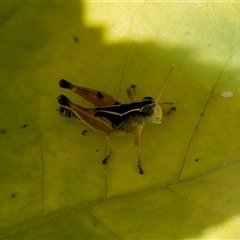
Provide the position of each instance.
(100, 95)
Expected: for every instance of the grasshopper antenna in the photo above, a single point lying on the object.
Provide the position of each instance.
(164, 83)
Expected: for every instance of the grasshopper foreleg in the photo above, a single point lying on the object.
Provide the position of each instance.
(169, 111)
(165, 112)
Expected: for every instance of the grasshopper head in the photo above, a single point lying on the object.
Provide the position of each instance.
(157, 114)
(152, 111)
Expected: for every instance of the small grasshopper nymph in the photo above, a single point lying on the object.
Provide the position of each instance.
(110, 116)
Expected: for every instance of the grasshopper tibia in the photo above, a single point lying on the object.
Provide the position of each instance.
(63, 100)
(136, 144)
(64, 84)
(140, 170)
(105, 160)
(109, 151)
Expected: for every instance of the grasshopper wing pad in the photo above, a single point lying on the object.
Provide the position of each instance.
(119, 114)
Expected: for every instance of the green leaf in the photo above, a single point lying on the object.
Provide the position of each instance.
(53, 183)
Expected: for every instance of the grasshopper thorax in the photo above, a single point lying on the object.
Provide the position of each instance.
(151, 111)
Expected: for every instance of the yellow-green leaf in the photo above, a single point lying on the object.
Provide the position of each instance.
(53, 182)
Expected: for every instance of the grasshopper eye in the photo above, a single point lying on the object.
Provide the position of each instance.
(148, 110)
(148, 105)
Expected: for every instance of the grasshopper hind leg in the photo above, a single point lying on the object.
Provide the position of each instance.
(136, 144)
(65, 110)
(65, 84)
(109, 151)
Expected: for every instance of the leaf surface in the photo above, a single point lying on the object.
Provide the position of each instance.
(53, 185)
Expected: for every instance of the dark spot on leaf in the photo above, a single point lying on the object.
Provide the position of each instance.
(24, 126)
(76, 39)
(13, 195)
(3, 131)
(96, 150)
(197, 159)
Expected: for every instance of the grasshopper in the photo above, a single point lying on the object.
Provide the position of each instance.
(112, 118)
